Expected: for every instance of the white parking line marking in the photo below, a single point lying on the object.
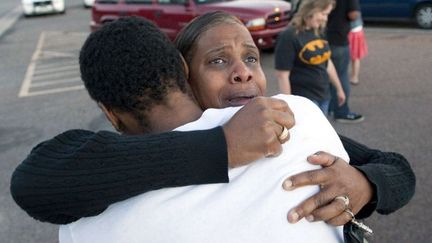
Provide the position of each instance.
(54, 74)
(39, 71)
(50, 54)
(59, 90)
(54, 65)
(47, 83)
(24, 91)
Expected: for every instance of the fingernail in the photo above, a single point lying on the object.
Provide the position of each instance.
(293, 216)
(310, 218)
(287, 185)
(317, 153)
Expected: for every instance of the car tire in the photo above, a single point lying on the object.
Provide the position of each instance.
(423, 16)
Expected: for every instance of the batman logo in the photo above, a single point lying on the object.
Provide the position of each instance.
(315, 52)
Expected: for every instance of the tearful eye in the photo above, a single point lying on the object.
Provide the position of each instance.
(217, 61)
(251, 59)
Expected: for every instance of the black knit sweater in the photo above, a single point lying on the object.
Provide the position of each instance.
(80, 173)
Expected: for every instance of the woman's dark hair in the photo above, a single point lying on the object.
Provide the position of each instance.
(187, 38)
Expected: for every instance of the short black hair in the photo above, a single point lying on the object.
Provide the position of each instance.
(130, 65)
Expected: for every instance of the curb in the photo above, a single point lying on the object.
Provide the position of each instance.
(7, 20)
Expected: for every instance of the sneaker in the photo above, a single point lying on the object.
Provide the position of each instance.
(350, 118)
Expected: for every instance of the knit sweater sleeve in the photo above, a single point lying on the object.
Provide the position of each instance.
(390, 174)
(80, 173)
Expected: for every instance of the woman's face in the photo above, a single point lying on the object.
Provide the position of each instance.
(319, 18)
(225, 69)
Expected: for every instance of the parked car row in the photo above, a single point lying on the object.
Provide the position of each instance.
(264, 19)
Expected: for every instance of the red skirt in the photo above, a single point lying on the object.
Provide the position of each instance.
(357, 44)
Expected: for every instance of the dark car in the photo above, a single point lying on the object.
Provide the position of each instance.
(265, 19)
(420, 11)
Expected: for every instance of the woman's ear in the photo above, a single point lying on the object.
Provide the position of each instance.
(111, 116)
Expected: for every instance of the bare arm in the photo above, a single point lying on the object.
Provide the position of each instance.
(283, 81)
(335, 81)
(353, 15)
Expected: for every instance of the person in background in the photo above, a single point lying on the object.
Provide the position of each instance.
(302, 56)
(338, 27)
(294, 6)
(358, 48)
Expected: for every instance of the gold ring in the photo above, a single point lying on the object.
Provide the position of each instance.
(345, 200)
(348, 211)
(284, 134)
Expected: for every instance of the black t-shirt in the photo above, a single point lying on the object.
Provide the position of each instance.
(338, 24)
(305, 55)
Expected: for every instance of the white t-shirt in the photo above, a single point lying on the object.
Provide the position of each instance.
(252, 207)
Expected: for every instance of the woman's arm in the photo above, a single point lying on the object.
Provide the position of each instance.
(80, 173)
(374, 180)
(283, 79)
(335, 81)
(390, 173)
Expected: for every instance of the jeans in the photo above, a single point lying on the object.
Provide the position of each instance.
(341, 59)
(323, 105)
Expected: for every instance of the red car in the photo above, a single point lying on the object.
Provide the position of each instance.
(265, 19)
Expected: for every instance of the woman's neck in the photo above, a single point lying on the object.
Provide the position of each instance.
(178, 110)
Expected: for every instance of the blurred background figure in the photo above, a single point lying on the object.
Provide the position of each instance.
(302, 56)
(294, 6)
(358, 48)
(338, 27)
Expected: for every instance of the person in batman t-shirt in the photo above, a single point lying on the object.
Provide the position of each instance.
(302, 56)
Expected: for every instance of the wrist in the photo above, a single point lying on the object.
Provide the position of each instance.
(230, 146)
(368, 197)
(229, 156)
